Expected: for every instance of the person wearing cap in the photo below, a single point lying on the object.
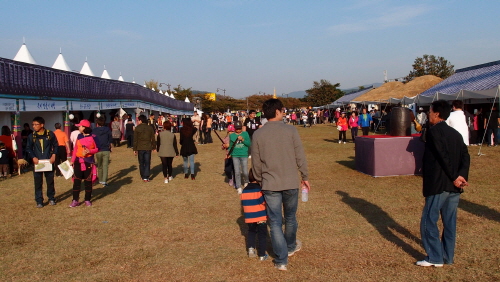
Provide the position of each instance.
(42, 145)
(342, 127)
(240, 154)
(82, 159)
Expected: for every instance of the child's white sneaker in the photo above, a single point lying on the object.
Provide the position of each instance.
(251, 253)
(239, 191)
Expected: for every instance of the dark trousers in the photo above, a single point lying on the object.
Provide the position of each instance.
(61, 157)
(130, 140)
(166, 164)
(208, 136)
(257, 230)
(365, 130)
(342, 136)
(49, 179)
(116, 142)
(354, 133)
(489, 131)
(144, 163)
(86, 177)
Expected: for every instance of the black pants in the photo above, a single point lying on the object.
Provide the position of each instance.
(61, 157)
(116, 142)
(208, 136)
(130, 140)
(49, 178)
(257, 230)
(86, 177)
(354, 133)
(342, 136)
(166, 164)
(365, 130)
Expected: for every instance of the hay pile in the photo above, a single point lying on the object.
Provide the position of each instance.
(398, 90)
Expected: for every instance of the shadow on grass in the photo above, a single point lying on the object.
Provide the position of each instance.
(479, 210)
(331, 140)
(244, 232)
(351, 163)
(384, 223)
(116, 181)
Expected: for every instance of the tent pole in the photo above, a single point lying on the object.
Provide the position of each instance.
(489, 118)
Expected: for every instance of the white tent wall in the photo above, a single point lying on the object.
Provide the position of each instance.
(5, 119)
(51, 118)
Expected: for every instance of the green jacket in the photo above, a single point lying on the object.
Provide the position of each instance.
(240, 149)
(144, 138)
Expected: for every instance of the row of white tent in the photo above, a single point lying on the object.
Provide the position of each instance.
(24, 55)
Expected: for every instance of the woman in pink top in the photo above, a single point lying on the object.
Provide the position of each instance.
(353, 125)
(294, 118)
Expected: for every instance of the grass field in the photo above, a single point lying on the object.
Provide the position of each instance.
(353, 228)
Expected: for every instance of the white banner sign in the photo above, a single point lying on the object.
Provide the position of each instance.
(110, 105)
(129, 105)
(8, 105)
(43, 105)
(84, 106)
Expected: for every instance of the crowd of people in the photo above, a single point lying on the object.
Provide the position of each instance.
(269, 190)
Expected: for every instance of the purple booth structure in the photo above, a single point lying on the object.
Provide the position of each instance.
(385, 155)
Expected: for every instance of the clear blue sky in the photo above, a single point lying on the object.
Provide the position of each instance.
(251, 46)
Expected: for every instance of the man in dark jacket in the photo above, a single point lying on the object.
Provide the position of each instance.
(103, 134)
(445, 172)
(42, 145)
(144, 143)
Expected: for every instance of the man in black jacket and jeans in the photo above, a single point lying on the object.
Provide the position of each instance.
(445, 172)
(144, 143)
(42, 145)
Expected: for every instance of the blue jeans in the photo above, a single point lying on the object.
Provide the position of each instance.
(240, 167)
(283, 242)
(186, 165)
(439, 250)
(144, 163)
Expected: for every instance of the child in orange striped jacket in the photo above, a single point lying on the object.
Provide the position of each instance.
(254, 209)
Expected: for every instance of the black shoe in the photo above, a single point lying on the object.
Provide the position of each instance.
(186, 176)
(192, 176)
(52, 202)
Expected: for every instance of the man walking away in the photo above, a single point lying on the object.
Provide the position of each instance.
(63, 149)
(277, 154)
(42, 145)
(445, 172)
(103, 134)
(144, 143)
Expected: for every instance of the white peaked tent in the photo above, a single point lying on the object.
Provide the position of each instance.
(166, 93)
(105, 74)
(86, 69)
(60, 63)
(186, 100)
(159, 91)
(153, 89)
(24, 55)
(120, 78)
(172, 95)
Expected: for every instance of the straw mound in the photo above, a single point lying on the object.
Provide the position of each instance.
(398, 90)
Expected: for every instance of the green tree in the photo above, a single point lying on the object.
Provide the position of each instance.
(181, 93)
(323, 93)
(430, 64)
(152, 84)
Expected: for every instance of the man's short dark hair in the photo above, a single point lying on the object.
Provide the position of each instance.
(442, 107)
(251, 178)
(143, 118)
(252, 112)
(100, 121)
(457, 104)
(270, 106)
(40, 120)
(57, 125)
(87, 130)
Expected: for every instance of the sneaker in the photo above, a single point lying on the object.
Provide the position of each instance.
(298, 246)
(146, 180)
(74, 203)
(166, 181)
(39, 205)
(52, 202)
(251, 253)
(104, 184)
(170, 178)
(245, 185)
(88, 203)
(426, 263)
(250, 156)
(340, 141)
(281, 267)
(239, 191)
(264, 257)
(345, 142)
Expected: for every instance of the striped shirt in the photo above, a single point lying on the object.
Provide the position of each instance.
(254, 205)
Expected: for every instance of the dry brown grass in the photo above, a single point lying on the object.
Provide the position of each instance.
(354, 227)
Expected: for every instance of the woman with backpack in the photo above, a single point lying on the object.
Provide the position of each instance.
(83, 163)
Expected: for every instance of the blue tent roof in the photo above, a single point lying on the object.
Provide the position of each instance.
(350, 97)
(475, 78)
